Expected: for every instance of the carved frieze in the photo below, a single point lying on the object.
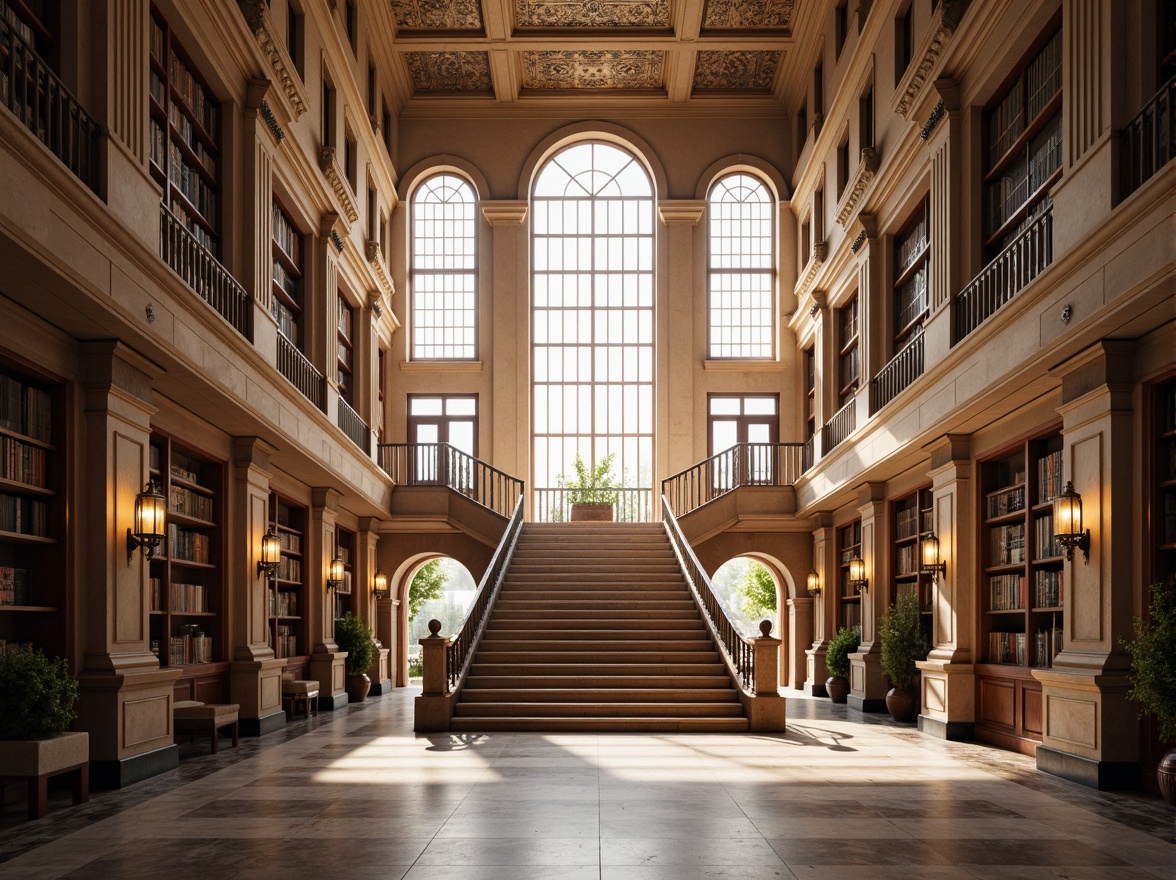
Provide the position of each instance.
(867, 168)
(820, 252)
(467, 72)
(375, 259)
(339, 186)
(608, 69)
(947, 19)
(592, 13)
(747, 15)
(437, 15)
(255, 17)
(744, 71)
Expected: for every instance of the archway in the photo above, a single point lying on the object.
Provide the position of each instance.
(776, 582)
(448, 591)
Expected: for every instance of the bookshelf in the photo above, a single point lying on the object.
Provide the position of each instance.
(913, 519)
(34, 600)
(1162, 439)
(184, 136)
(345, 541)
(849, 601)
(346, 355)
(287, 602)
(288, 268)
(1021, 588)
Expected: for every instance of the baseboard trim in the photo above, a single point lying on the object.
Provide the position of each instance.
(863, 704)
(332, 702)
(262, 726)
(1103, 775)
(127, 771)
(953, 730)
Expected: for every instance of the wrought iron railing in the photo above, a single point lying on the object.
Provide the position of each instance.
(354, 427)
(46, 108)
(460, 650)
(808, 454)
(202, 272)
(738, 650)
(295, 366)
(1025, 257)
(840, 425)
(439, 464)
(629, 505)
(903, 369)
(744, 464)
(1148, 142)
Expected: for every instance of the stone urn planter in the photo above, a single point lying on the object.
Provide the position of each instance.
(837, 687)
(583, 512)
(36, 760)
(357, 687)
(353, 635)
(902, 704)
(843, 643)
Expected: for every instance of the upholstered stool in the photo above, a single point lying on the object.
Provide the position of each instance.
(295, 691)
(194, 718)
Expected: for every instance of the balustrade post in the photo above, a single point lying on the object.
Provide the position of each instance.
(431, 710)
(767, 706)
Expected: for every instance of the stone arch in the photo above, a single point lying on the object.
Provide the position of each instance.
(785, 582)
(752, 165)
(605, 132)
(426, 168)
(399, 582)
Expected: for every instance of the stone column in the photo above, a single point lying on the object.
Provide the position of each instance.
(258, 185)
(320, 310)
(825, 607)
(126, 699)
(381, 613)
(1090, 734)
(800, 637)
(944, 221)
(948, 697)
(867, 685)
(255, 674)
(327, 662)
(873, 307)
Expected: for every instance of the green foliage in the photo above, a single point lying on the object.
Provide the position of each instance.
(591, 486)
(353, 635)
(902, 641)
(759, 591)
(1153, 660)
(428, 584)
(416, 670)
(37, 694)
(840, 647)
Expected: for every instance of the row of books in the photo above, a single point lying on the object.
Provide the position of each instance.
(1046, 645)
(157, 144)
(22, 462)
(184, 471)
(156, 41)
(287, 322)
(25, 409)
(9, 17)
(195, 188)
(1006, 592)
(186, 544)
(287, 645)
(190, 223)
(287, 282)
(1007, 544)
(191, 503)
(286, 236)
(908, 559)
(290, 541)
(1008, 648)
(1043, 533)
(1047, 589)
(907, 523)
(193, 95)
(7, 647)
(14, 586)
(187, 133)
(24, 516)
(184, 597)
(290, 569)
(1050, 476)
(188, 650)
(1006, 501)
(1169, 518)
(283, 603)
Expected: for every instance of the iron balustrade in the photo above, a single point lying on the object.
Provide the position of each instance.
(744, 464)
(46, 107)
(1022, 260)
(203, 272)
(1148, 142)
(301, 373)
(903, 369)
(808, 454)
(841, 425)
(354, 427)
(738, 650)
(439, 464)
(630, 505)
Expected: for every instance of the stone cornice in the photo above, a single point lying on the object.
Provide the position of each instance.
(505, 212)
(866, 169)
(688, 211)
(255, 16)
(939, 33)
(375, 259)
(820, 252)
(342, 190)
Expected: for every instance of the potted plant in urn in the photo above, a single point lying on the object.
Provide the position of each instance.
(837, 662)
(1153, 676)
(592, 492)
(353, 635)
(903, 645)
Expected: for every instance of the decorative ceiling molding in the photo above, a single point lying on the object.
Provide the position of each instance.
(746, 71)
(947, 19)
(592, 13)
(438, 15)
(255, 16)
(341, 188)
(604, 70)
(866, 169)
(747, 15)
(464, 72)
(375, 258)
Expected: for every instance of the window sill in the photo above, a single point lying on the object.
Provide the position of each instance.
(742, 366)
(441, 366)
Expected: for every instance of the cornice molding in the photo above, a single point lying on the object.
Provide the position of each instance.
(943, 26)
(256, 17)
(375, 258)
(820, 252)
(506, 212)
(867, 167)
(686, 211)
(342, 190)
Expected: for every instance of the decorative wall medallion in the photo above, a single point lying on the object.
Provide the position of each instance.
(611, 69)
(449, 71)
(773, 15)
(750, 71)
(438, 15)
(592, 13)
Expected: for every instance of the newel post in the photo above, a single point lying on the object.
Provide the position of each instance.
(767, 706)
(433, 707)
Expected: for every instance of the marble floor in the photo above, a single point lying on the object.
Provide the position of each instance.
(356, 793)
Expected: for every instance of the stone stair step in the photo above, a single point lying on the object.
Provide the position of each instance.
(569, 645)
(509, 632)
(599, 710)
(596, 622)
(601, 725)
(584, 655)
(486, 677)
(621, 616)
(566, 673)
(665, 694)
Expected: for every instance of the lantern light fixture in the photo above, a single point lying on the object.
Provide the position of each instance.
(857, 574)
(380, 585)
(150, 517)
(814, 584)
(931, 563)
(335, 573)
(1067, 517)
(271, 554)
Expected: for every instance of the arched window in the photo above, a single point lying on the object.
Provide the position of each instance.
(444, 270)
(741, 269)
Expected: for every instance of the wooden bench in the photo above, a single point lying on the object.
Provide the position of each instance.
(36, 761)
(196, 718)
(295, 691)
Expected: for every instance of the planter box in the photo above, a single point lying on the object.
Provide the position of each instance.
(592, 513)
(34, 761)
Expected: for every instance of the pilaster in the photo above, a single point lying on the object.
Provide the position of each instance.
(944, 223)
(685, 307)
(825, 564)
(381, 612)
(259, 218)
(800, 637)
(327, 662)
(867, 684)
(873, 327)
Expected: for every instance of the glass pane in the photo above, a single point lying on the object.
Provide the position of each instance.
(725, 406)
(424, 406)
(427, 433)
(759, 406)
(461, 436)
(724, 435)
(461, 406)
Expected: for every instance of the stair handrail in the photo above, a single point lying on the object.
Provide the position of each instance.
(744, 464)
(738, 651)
(440, 464)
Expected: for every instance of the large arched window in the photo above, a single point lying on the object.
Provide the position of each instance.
(592, 225)
(444, 270)
(741, 269)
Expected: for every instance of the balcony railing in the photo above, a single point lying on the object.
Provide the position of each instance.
(629, 505)
(46, 108)
(1020, 262)
(1148, 142)
(302, 375)
(439, 464)
(894, 378)
(744, 464)
(841, 425)
(354, 427)
(808, 454)
(202, 272)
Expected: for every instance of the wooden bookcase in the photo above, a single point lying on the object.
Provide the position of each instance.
(186, 589)
(34, 595)
(287, 604)
(1021, 589)
(288, 269)
(912, 520)
(849, 601)
(184, 136)
(344, 602)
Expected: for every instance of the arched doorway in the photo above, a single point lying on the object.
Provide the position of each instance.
(437, 587)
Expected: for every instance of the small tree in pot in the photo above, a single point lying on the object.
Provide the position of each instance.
(837, 662)
(1153, 676)
(902, 646)
(353, 635)
(592, 492)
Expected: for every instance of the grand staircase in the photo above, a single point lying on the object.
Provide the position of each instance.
(595, 629)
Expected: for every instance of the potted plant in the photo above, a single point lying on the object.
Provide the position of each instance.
(903, 645)
(1153, 676)
(353, 635)
(837, 662)
(592, 492)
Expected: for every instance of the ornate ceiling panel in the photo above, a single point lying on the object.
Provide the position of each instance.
(591, 13)
(751, 71)
(749, 15)
(612, 70)
(459, 72)
(438, 15)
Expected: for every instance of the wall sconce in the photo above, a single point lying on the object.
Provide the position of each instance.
(857, 575)
(271, 554)
(380, 585)
(1067, 516)
(335, 573)
(814, 584)
(150, 514)
(931, 564)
